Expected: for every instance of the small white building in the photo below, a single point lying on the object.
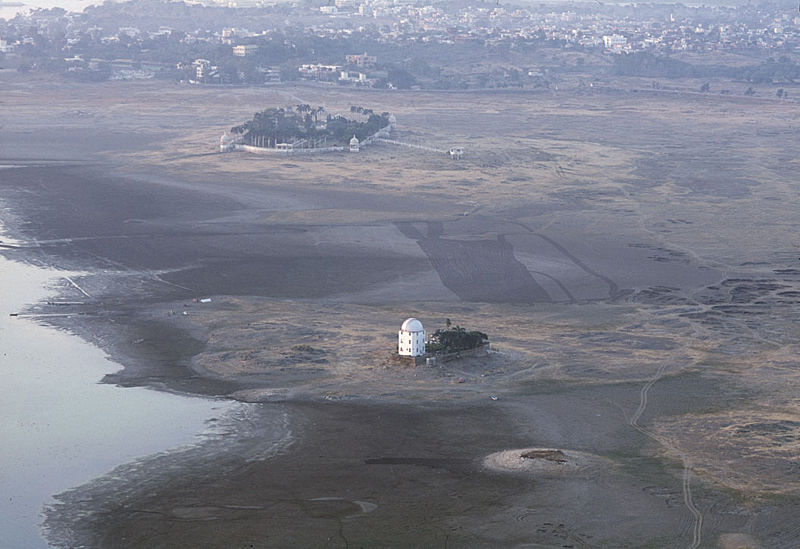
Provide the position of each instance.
(615, 43)
(411, 338)
(243, 50)
(355, 146)
(203, 68)
(361, 60)
(5, 47)
(225, 143)
(352, 76)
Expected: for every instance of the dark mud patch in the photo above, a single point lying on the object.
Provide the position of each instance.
(557, 456)
(292, 273)
(187, 242)
(434, 463)
(478, 270)
(154, 354)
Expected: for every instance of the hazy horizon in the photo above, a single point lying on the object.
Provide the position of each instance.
(8, 12)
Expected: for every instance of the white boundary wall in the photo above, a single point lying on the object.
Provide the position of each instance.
(380, 135)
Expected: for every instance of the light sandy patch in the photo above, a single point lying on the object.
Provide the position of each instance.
(738, 541)
(751, 451)
(544, 461)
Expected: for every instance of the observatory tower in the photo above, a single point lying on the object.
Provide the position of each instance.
(411, 338)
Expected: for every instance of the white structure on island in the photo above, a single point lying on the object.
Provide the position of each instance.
(226, 143)
(354, 144)
(411, 338)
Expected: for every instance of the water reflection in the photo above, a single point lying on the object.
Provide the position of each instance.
(59, 427)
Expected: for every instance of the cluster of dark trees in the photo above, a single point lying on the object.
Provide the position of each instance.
(647, 64)
(783, 70)
(280, 125)
(288, 124)
(451, 340)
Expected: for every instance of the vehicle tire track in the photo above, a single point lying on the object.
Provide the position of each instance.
(558, 283)
(633, 421)
(687, 499)
(478, 270)
(613, 288)
(686, 486)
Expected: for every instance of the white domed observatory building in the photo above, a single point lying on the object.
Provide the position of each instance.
(411, 338)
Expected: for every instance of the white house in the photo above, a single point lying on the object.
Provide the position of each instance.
(243, 50)
(225, 143)
(362, 60)
(203, 68)
(616, 42)
(411, 338)
(354, 147)
(5, 47)
(352, 76)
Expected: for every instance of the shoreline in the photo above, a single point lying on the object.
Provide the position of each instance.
(45, 452)
(135, 328)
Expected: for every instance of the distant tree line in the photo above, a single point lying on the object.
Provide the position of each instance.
(783, 71)
(780, 71)
(647, 64)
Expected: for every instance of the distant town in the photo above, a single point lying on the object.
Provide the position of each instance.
(405, 44)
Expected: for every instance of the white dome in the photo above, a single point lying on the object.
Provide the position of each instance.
(354, 141)
(412, 325)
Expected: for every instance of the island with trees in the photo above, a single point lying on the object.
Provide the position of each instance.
(454, 340)
(304, 126)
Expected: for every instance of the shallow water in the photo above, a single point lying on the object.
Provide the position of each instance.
(59, 427)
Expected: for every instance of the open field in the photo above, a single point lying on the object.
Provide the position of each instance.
(633, 258)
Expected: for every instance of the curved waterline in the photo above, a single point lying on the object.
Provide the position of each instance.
(60, 427)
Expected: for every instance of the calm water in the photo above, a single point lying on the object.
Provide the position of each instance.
(59, 428)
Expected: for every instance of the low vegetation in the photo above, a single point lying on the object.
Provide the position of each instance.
(452, 340)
